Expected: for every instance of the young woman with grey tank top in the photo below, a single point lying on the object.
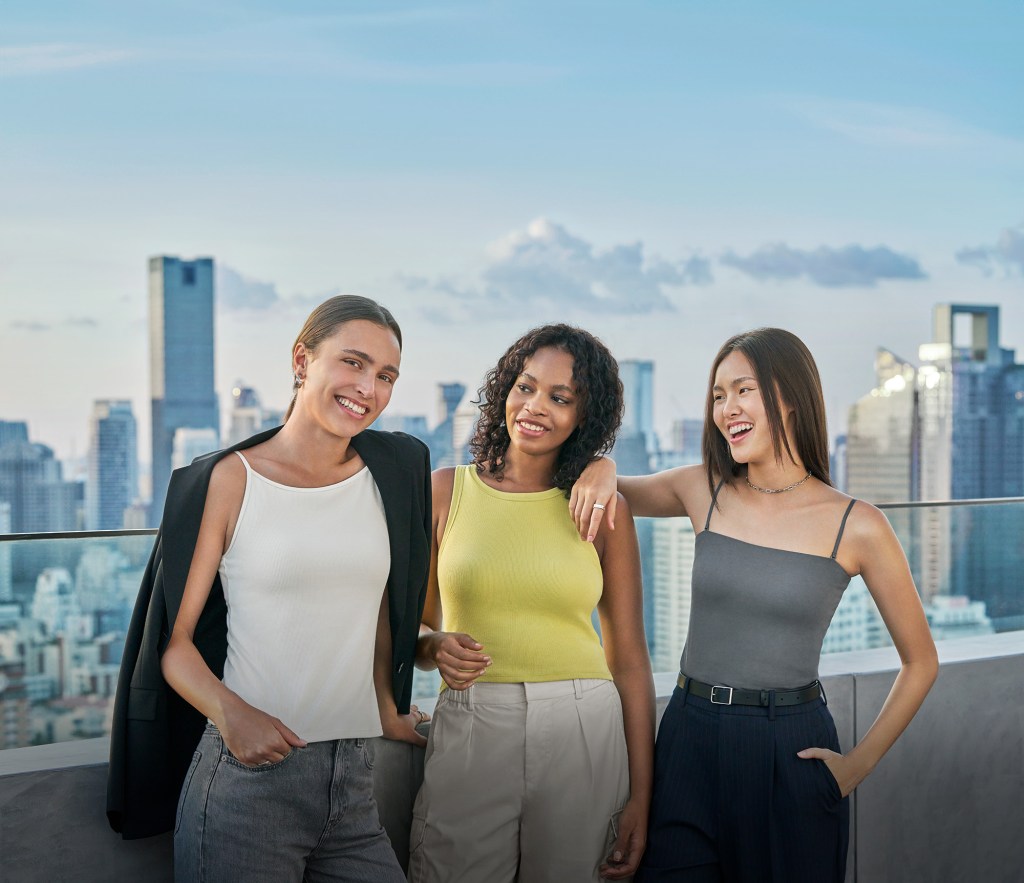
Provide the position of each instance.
(295, 533)
(750, 784)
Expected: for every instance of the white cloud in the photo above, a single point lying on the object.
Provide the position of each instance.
(852, 265)
(546, 265)
(1008, 253)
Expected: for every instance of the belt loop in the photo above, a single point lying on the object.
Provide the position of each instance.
(821, 687)
(577, 685)
(771, 705)
(469, 697)
(686, 689)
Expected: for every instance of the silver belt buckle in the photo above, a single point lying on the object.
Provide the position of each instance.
(727, 701)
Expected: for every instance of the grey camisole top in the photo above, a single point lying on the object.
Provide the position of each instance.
(758, 615)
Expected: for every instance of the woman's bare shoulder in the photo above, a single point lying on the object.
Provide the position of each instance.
(228, 478)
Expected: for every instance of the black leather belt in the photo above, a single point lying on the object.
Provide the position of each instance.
(719, 695)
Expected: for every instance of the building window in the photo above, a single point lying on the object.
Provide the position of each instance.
(188, 275)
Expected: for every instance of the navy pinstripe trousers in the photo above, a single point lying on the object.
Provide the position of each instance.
(734, 804)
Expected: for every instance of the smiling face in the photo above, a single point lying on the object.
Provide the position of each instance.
(348, 381)
(542, 410)
(739, 411)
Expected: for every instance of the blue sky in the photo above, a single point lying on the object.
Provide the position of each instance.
(663, 173)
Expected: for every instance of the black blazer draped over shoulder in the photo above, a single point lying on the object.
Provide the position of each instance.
(154, 730)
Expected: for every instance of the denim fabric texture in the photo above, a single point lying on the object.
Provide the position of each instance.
(311, 818)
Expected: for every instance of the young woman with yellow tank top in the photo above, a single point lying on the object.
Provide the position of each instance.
(539, 761)
(750, 784)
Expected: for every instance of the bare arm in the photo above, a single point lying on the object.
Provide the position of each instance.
(400, 727)
(880, 560)
(458, 657)
(625, 646)
(660, 495)
(251, 735)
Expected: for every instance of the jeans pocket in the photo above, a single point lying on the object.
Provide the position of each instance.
(196, 757)
(369, 752)
(231, 760)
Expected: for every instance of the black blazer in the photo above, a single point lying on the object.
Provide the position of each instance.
(154, 730)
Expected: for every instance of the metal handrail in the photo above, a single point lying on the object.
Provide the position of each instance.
(934, 504)
(151, 531)
(78, 534)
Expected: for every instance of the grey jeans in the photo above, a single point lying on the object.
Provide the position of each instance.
(310, 818)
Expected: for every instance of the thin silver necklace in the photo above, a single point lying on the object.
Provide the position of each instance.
(769, 490)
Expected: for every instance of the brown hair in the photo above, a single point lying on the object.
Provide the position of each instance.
(332, 314)
(786, 372)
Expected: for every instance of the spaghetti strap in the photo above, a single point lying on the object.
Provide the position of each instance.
(248, 468)
(711, 508)
(842, 527)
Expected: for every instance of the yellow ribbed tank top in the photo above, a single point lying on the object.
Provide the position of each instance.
(514, 573)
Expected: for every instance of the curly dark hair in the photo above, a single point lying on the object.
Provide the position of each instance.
(595, 373)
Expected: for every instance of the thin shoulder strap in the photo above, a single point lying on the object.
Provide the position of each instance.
(248, 468)
(711, 508)
(842, 527)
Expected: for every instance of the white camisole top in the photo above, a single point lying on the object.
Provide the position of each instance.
(303, 579)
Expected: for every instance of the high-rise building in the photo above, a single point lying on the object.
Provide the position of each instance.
(881, 437)
(971, 448)
(181, 359)
(55, 604)
(113, 465)
(191, 443)
(838, 462)
(248, 415)
(957, 616)
(411, 424)
(638, 394)
(6, 573)
(442, 445)
(684, 446)
(463, 428)
(856, 624)
(881, 454)
(32, 482)
(952, 429)
(673, 548)
(13, 431)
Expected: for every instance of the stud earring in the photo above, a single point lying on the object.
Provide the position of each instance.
(299, 379)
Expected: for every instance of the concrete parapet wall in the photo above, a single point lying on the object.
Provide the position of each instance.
(944, 805)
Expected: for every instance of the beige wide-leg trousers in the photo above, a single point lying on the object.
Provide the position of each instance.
(523, 782)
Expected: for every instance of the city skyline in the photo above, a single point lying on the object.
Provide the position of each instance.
(664, 422)
(663, 174)
(65, 603)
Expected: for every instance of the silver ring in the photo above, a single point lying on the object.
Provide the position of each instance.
(599, 506)
(264, 763)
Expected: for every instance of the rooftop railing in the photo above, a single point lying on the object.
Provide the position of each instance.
(943, 805)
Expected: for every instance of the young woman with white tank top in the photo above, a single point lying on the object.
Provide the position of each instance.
(750, 784)
(539, 760)
(280, 788)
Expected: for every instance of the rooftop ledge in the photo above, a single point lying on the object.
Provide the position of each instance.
(90, 752)
(943, 805)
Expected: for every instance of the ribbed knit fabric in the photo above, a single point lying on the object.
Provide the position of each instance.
(758, 615)
(514, 573)
(303, 578)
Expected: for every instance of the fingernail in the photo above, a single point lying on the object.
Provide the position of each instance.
(590, 538)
